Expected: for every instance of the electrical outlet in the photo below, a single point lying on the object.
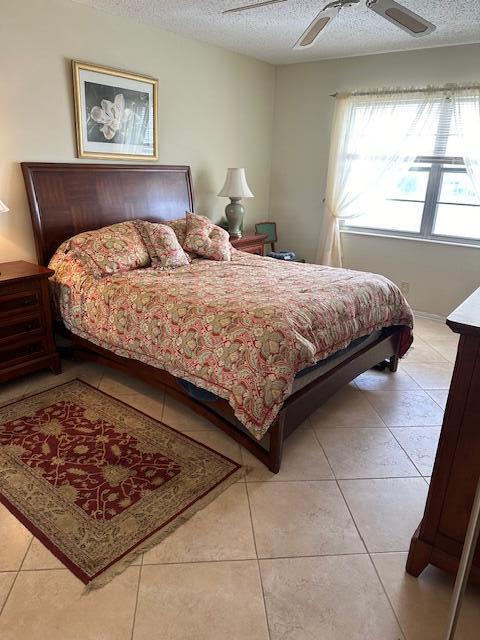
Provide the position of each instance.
(405, 287)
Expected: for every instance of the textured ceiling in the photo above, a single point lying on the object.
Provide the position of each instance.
(268, 33)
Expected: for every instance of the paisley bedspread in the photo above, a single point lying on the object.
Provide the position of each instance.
(241, 329)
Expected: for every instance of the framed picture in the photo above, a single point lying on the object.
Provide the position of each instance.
(115, 113)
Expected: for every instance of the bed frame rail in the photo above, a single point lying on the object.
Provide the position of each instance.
(296, 409)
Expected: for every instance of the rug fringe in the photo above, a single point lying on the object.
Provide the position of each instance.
(119, 567)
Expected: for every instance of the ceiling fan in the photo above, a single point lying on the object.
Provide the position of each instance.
(392, 11)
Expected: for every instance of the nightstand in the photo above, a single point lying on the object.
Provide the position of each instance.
(26, 336)
(252, 243)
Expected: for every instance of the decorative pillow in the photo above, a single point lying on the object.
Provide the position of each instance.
(180, 228)
(206, 239)
(162, 244)
(118, 247)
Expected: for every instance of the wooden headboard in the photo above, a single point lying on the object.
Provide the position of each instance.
(66, 199)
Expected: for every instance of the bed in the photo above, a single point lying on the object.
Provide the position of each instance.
(286, 380)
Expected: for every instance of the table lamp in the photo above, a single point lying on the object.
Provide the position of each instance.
(3, 209)
(235, 188)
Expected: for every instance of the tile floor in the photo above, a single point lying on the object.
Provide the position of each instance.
(316, 552)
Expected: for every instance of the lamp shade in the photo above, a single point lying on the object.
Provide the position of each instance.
(236, 185)
(3, 207)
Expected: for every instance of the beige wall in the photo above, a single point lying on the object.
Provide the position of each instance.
(215, 107)
(440, 276)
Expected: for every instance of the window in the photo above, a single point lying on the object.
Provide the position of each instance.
(433, 197)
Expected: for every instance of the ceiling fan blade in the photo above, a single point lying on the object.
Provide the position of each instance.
(245, 7)
(307, 39)
(402, 17)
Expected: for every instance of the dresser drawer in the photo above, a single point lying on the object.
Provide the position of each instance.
(10, 354)
(19, 328)
(19, 302)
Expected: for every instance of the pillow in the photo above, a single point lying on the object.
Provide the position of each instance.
(180, 228)
(162, 245)
(206, 239)
(118, 247)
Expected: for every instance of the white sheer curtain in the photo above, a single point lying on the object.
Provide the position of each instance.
(466, 115)
(375, 140)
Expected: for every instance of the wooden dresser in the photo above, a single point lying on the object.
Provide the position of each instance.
(441, 533)
(26, 339)
(252, 243)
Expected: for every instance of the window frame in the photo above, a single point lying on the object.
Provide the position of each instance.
(436, 171)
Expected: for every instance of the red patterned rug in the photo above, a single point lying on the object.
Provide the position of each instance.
(99, 482)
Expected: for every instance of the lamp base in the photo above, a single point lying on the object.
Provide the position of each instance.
(234, 213)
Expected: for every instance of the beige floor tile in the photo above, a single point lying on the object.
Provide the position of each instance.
(422, 603)
(379, 381)
(6, 581)
(365, 453)
(183, 418)
(347, 408)
(151, 405)
(220, 531)
(306, 424)
(417, 339)
(303, 459)
(52, 605)
(119, 383)
(446, 347)
(423, 352)
(331, 598)
(406, 408)
(421, 445)
(436, 375)
(386, 511)
(39, 557)
(87, 371)
(13, 389)
(440, 396)
(14, 541)
(301, 519)
(207, 601)
(219, 441)
(426, 328)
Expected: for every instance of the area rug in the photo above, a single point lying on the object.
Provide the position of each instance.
(99, 482)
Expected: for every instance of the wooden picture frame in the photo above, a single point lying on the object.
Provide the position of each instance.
(115, 113)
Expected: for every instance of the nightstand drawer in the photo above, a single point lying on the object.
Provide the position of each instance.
(19, 302)
(26, 336)
(10, 354)
(253, 248)
(252, 243)
(19, 328)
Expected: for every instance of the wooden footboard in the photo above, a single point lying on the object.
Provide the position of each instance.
(294, 412)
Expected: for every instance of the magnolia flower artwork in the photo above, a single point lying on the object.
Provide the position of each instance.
(115, 113)
(112, 116)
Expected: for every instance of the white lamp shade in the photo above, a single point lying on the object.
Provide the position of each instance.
(3, 207)
(236, 185)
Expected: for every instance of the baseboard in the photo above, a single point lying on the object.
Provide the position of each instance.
(429, 316)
